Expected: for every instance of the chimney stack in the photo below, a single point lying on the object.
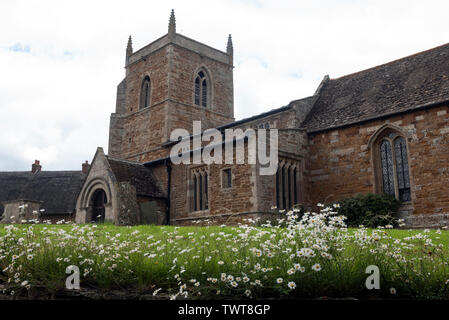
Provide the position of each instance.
(85, 167)
(36, 167)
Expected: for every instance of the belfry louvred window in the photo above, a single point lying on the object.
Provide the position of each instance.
(287, 184)
(201, 89)
(394, 167)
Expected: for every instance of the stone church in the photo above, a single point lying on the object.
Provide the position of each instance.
(381, 130)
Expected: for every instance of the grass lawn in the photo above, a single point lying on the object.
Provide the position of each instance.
(311, 258)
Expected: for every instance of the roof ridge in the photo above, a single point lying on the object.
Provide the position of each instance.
(398, 86)
(391, 62)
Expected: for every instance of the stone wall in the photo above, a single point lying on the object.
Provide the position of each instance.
(20, 211)
(57, 218)
(341, 164)
(184, 65)
(248, 218)
(250, 193)
(152, 211)
(128, 211)
(139, 134)
(100, 177)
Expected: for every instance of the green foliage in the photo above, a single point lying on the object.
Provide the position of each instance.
(312, 258)
(369, 210)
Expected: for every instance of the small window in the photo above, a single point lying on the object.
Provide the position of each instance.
(227, 178)
(145, 93)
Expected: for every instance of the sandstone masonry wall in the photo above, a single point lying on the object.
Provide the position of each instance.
(340, 162)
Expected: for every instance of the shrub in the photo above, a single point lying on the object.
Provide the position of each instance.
(369, 210)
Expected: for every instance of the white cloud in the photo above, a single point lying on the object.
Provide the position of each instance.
(60, 61)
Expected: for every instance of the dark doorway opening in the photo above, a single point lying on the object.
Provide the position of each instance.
(98, 210)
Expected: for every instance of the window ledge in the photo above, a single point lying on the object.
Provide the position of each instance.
(198, 212)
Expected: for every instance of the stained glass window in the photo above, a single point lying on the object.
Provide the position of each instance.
(197, 91)
(387, 167)
(402, 171)
(204, 94)
(395, 157)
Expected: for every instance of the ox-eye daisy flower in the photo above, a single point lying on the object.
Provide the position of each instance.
(316, 267)
(291, 285)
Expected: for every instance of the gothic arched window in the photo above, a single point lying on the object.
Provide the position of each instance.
(206, 197)
(393, 176)
(202, 89)
(145, 93)
(402, 171)
(195, 194)
(287, 184)
(386, 159)
(199, 192)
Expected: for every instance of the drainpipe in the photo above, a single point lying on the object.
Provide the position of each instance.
(168, 165)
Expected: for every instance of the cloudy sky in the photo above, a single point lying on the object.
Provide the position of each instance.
(60, 61)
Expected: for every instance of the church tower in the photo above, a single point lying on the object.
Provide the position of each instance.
(169, 83)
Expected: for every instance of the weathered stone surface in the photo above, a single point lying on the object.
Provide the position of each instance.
(131, 190)
(128, 214)
(21, 211)
(428, 156)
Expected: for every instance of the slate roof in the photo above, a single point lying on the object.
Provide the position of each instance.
(58, 190)
(398, 86)
(139, 176)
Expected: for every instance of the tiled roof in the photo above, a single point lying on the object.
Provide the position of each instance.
(58, 190)
(139, 176)
(398, 86)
